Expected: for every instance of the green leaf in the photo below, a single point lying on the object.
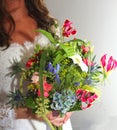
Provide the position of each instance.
(30, 103)
(76, 107)
(58, 59)
(37, 48)
(69, 49)
(78, 40)
(91, 89)
(41, 70)
(47, 34)
(16, 67)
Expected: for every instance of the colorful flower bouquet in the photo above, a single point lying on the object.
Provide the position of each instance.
(63, 77)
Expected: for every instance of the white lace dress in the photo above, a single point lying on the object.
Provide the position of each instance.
(7, 116)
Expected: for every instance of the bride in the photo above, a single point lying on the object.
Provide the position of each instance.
(18, 19)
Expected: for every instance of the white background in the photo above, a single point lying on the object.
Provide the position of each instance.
(96, 21)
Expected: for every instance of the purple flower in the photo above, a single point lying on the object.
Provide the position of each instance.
(54, 71)
(57, 78)
(57, 68)
(77, 83)
(50, 67)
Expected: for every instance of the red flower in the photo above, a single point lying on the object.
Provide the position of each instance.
(103, 60)
(67, 23)
(47, 89)
(68, 29)
(109, 65)
(85, 49)
(86, 97)
(30, 62)
(46, 94)
(39, 53)
(87, 62)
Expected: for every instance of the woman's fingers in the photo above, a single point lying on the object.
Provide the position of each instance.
(53, 115)
(57, 122)
(67, 116)
(23, 113)
(55, 118)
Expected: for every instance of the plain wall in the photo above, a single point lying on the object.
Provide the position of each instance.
(96, 21)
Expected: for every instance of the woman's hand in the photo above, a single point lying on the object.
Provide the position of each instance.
(26, 113)
(54, 117)
(56, 120)
(23, 113)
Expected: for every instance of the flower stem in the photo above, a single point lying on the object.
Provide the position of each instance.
(60, 128)
(48, 122)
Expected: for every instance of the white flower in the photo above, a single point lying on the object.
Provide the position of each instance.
(78, 60)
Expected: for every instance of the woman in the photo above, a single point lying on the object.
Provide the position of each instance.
(18, 19)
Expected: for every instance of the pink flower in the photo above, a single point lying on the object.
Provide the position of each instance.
(68, 29)
(86, 98)
(87, 62)
(109, 65)
(103, 60)
(35, 78)
(46, 94)
(47, 89)
(85, 49)
(67, 23)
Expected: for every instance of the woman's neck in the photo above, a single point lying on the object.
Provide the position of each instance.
(24, 24)
(16, 8)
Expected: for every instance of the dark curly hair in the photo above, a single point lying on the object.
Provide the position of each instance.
(36, 9)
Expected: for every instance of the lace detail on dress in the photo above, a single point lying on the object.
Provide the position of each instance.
(7, 83)
(21, 53)
(7, 117)
(39, 39)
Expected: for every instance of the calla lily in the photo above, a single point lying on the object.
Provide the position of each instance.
(78, 60)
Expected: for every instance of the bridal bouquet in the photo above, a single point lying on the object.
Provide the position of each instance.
(62, 77)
